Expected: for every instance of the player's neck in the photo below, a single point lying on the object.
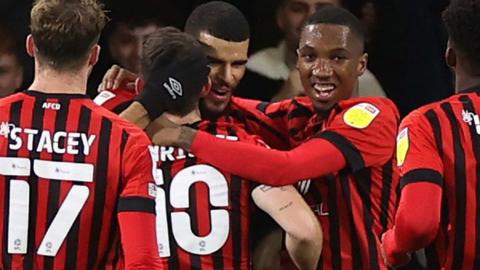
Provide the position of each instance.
(55, 82)
(463, 82)
(192, 117)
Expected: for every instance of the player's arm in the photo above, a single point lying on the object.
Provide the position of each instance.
(335, 148)
(312, 159)
(136, 207)
(417, 219)
(303, 232)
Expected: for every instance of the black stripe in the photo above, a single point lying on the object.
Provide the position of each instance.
(73, 236)
(433, 261)
(364, 184)
(245, 118)
(37, 123)
(236, 221)
(351, 153)
(299, 111)
(421, 175)
(100, 191)
(237, 230)
(114, 238)
(262, 107)
(136, 204)
(54, 186)
(437, 130)
(173, 262)
(387, 176)
(355, 243)
(460, 187)
(475, 139)
(15, 113)
(334, 223)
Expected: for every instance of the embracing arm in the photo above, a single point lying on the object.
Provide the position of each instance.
(312, 159)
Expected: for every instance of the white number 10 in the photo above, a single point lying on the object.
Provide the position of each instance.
(180, 220)
(18, 216)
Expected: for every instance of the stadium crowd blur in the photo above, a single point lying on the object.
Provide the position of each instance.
(406, 43)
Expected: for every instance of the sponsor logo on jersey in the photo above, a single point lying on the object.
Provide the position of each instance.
(471, 119)
(103, 97)
(361, 115)
(403, 144)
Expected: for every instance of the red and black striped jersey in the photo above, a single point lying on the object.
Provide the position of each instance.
(281, 125)
(354, 205)
(203, 213)
(440, 143)
(115, 101)
(68, 170)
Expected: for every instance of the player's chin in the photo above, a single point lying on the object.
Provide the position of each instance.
(324, 106)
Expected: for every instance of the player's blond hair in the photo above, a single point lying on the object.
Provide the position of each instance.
(64, 31)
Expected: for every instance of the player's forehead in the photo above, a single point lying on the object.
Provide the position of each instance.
(327, 37)
(227, 51)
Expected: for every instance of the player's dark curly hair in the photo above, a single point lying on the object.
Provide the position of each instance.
(338, 16)
(462, 20)
(219, 19)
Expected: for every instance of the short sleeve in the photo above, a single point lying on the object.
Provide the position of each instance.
(364, 132)
(418, 158)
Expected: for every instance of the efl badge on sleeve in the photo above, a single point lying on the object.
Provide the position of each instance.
(402, 146)
(360, 115)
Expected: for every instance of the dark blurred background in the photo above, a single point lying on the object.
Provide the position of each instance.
(406, 39)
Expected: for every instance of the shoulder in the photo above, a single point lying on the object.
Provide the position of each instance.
(370, 107)
(118, 122)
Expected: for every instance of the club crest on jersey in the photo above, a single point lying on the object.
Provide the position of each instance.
(403, 144)
(471, 119)
(173, 87)
(360, 115)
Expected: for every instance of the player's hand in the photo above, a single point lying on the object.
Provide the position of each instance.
(117, 77)
(392, 261)
(179, 136)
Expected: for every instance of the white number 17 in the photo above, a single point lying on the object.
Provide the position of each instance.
(18, 212)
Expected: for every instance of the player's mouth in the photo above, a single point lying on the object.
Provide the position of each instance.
(221, 94)
(323, 91)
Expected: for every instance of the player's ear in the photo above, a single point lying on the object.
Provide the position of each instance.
(30, 46)
(94, 54)
(362, 64)
(206, 88)
(450, 55)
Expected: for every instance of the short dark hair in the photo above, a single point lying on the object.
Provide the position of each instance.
(219, 19)
(64, 31)
(338, 16)
(168, 52)
(462, 20)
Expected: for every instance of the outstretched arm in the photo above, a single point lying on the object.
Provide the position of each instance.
(314, 158)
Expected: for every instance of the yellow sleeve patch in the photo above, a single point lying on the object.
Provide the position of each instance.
(360, 115)
(403, 144)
